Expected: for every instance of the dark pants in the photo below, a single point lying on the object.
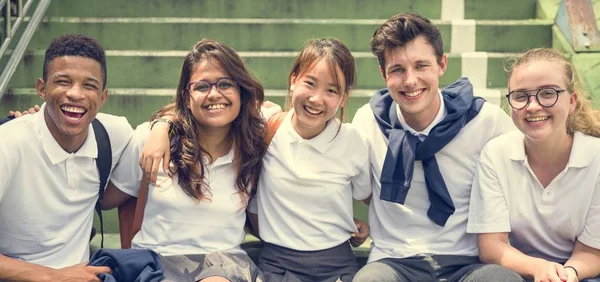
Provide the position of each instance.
(280, 264)
(437, 268)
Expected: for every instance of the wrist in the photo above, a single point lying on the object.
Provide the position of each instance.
(162, 123)
(573, 270)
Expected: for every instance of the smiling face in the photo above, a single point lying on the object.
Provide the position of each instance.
(316, 98)
(412, 76)
(74, 94)
(215, 109)
(536, 122)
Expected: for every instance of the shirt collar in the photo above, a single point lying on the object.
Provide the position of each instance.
(321, 142)
(226, 159)
(579, 156)
(441, 114)
(57, 154)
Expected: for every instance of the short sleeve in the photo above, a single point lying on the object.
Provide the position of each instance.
(6, 169)
(591, 230)
(361, 181)
(127, 174)
(488, 210)
(253, 205)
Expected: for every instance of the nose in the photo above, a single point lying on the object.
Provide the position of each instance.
(410, 79)
(213, 92)
(75, 92)
(316, 98)
(533, 105)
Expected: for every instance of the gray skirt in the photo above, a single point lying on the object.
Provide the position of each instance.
(280, 264)
(234, 267)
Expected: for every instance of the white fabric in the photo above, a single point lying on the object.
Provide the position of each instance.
(47, 196)
(175, 223)
(507, 197)
(400, 231)
(441, 114)
(306, 188)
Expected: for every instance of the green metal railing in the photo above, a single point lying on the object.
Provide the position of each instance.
(15, 10)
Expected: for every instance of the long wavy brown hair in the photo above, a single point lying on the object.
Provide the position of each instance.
(246, 133)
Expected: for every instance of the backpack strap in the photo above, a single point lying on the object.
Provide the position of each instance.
(272, 125)
(103, 163)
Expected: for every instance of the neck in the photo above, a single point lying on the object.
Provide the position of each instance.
(305, 132)
(421, 120)
(553, 151)
(215, 141)
(68, 143)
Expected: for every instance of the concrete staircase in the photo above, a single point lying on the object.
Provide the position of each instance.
(146, 40)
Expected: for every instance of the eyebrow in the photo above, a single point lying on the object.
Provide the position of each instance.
(60, 75)
(538, 88)
(330, 84)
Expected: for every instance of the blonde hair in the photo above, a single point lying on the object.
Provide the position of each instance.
(585, 118)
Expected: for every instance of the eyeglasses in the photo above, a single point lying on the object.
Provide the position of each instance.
(225, 86)
(546, 97)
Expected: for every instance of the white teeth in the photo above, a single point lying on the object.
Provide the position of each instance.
(312, 111)
(413, 94)
(536, 119)
(216, 106)
(72, 109)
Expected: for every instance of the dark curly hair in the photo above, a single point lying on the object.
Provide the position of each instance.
(247, 130)
(75, 45)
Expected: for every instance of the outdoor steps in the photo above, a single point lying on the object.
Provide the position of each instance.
(336, 9)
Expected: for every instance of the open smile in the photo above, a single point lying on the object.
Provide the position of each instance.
(413, 94)
(73, 113)
(312, 111)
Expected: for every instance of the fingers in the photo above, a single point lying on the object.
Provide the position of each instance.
(17, 114)
(11, 113)
(36, 108)
(98, 269)
(166, 160)
(560, 271)
(154, 172)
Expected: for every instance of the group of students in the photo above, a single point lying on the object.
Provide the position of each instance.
(455, 191)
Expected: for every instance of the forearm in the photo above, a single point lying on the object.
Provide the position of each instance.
(503, 254)
(18, 270)
(585, 260)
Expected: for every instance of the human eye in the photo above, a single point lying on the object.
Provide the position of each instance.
(519, 96)
(201, 86)
(398, 69)
(309, 83)
(547, 93)
(421, 66)
(225, 84)
(332, 91)
(62, 82)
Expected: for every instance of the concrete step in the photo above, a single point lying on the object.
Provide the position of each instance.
(349, 9)
(286, 34)
(160, 69)
(139, 104)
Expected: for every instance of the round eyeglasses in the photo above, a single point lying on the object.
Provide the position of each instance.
(546, 97)
(225, 86)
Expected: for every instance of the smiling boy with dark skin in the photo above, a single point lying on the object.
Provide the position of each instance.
(46, 210)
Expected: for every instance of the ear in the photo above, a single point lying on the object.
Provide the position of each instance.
(293, 82)
(345, 99)
(443, 65)
(573, 103)
(382, 71)
(104, 96)
(40, 86)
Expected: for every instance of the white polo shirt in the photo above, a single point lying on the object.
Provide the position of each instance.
(175, 223)
(47, 196)
(306, 187)
(400, 231)
(507, 197)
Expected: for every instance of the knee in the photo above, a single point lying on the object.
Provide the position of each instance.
(494, 272)
(376, 272)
